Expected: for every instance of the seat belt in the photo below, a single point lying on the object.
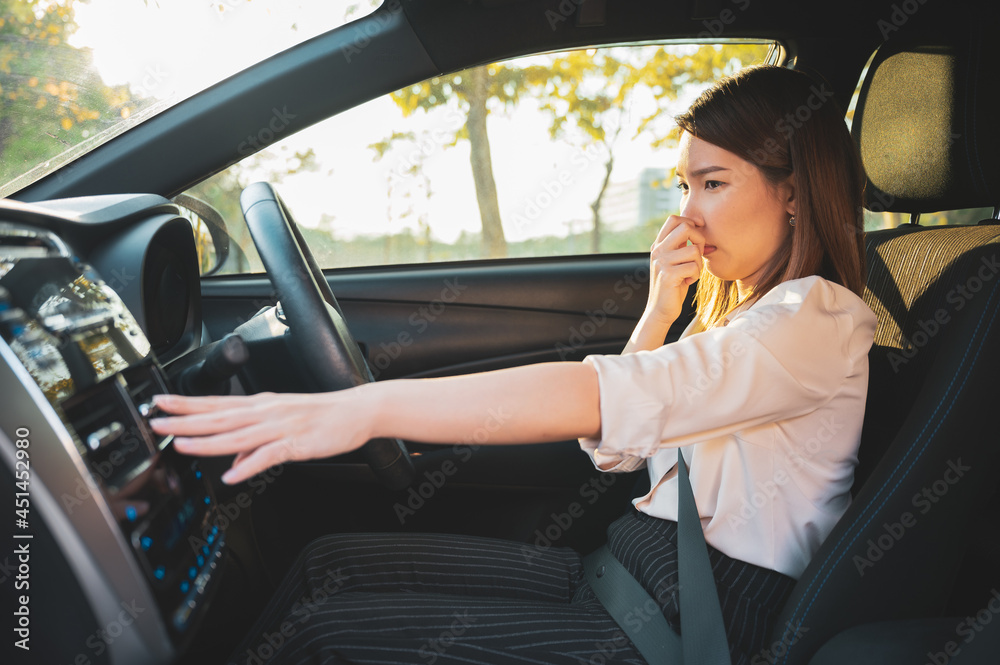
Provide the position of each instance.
(703, 639)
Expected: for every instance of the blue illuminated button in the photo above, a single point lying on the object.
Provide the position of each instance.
(215, 529)
(192, 572)
(160, 572)
(208, 500)
(211, 538)
(185, 585)
(146, 542)
(197, 474)
(201, 560)
(130, 513)
(204, 550)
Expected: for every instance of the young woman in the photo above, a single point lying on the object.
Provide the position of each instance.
(765, 392)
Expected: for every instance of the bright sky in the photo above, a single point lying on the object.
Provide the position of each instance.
(172, 48)
(182, 46)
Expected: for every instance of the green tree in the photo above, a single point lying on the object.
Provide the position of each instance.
(475, 93)
(51, 97)
(588, 94)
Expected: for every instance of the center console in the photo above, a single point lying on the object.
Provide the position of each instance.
(136, 521)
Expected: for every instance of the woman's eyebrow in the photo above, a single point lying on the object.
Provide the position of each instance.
(707, 169)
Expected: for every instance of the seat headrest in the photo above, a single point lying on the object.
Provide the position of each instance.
(927, 124)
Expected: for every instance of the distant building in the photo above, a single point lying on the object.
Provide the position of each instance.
(635, 202)
(620, 205)
(657, 195)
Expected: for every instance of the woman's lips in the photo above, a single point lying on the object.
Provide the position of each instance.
(708, 250)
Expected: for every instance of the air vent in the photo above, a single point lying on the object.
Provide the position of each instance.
(26, 242)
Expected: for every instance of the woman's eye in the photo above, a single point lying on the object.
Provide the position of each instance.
(712, 184)
(682, 186)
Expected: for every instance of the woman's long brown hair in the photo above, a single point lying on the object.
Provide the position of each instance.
(788, 126)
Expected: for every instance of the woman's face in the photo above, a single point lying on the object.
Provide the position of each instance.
(744, 218)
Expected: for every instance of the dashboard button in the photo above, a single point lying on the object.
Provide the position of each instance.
(102, 437)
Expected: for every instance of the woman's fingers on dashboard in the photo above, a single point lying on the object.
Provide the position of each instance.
(230, 440)
(179, 404)
(250, 463)
(261, 430)
(201, 424)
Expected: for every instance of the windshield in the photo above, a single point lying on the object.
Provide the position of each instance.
(75, 74)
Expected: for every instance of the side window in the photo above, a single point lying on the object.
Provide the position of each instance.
(965, 216)
(564, 153)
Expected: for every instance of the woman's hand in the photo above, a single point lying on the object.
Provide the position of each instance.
(265, 429)
(673, 266)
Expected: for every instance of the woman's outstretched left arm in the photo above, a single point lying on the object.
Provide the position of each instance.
(530, 404)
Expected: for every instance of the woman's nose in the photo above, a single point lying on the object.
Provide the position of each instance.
(691, 210)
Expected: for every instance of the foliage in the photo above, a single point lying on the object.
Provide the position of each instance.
(588, 95)
(51, 97)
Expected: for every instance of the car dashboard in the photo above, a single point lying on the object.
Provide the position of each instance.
(113, 535)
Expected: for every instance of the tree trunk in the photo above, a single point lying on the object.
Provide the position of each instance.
(494, 243)
(595, 234)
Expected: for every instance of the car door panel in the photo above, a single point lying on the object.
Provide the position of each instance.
(419, 321)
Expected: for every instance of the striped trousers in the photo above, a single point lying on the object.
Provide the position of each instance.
(447, 599)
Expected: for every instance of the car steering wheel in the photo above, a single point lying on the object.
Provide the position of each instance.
(315, 318)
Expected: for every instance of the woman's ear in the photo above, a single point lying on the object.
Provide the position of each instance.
(786, 194)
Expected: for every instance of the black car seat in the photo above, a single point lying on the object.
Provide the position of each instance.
(882, 586)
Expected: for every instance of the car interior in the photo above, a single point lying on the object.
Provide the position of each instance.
(141, 555)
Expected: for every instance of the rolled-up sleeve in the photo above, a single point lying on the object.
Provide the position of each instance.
(782, 358)
(611, 462)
